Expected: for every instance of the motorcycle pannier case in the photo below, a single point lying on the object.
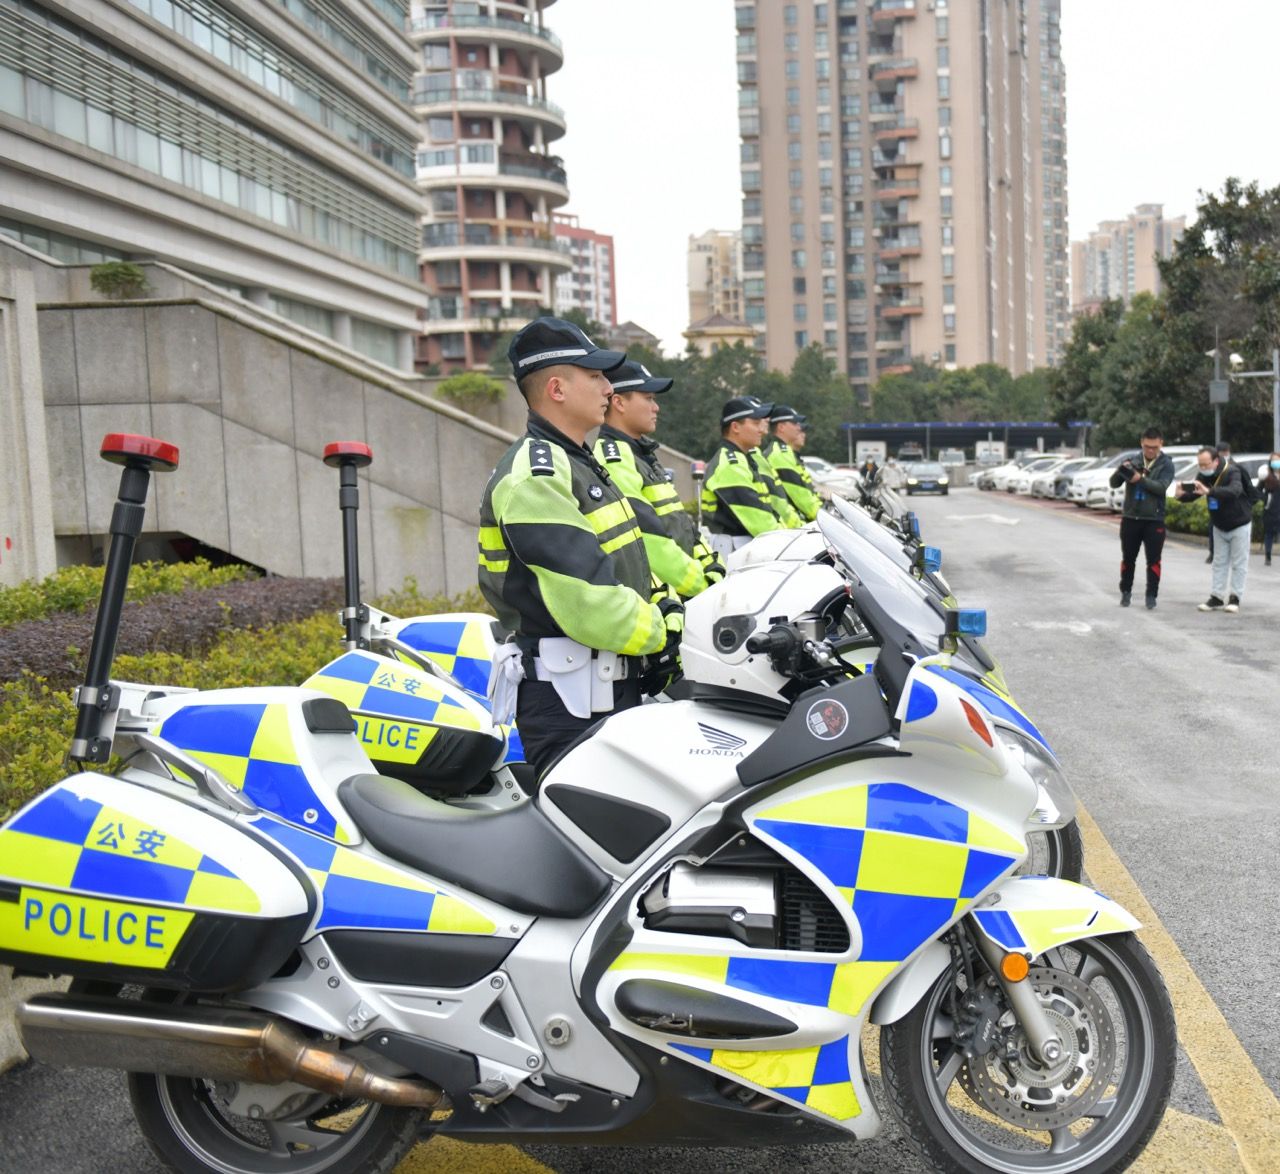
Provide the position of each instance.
(100, 878)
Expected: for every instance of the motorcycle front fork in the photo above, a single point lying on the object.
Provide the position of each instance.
(1041, 1037)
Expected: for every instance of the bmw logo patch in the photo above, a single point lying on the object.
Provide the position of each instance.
(595, 492)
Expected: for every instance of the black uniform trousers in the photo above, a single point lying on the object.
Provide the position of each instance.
(547, 729)
(1137, 534)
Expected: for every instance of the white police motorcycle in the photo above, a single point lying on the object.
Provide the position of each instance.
(306, 966)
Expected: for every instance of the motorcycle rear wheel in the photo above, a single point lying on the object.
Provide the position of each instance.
(191, 1133)
(1055, 852)
(1094, 1114)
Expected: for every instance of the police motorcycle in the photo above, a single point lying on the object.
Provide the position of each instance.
(841, 538)
(306, 966)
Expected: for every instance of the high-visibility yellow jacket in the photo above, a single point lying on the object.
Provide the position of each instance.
(734, 500)
(670, 537)
(795, 478)
(561, 552)
(777, 495)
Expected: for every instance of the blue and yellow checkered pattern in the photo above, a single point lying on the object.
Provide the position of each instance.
(996, 704)
(816, 1077)
(461, 647)
(66, 842)
(357, 892)
(907, 863)
(250, 745)
(369, 684)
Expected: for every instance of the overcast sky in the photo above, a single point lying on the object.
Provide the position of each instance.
(1164, 98)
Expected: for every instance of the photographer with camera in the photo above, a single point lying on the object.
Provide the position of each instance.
(1142, 525)
(1221, 485)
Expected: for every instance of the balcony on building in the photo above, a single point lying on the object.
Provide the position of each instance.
(893, 69)
(897, 128)
(901, 307)
(482, 94)
(885, 12)
(502, 30)
(888, 191)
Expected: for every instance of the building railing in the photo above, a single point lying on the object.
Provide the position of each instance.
(444, 20)
(897, 124)
(447, 235)
(465, 97)
(902, 304)
(894, 65)
(532, 167)
(897, 185)
(884, 7)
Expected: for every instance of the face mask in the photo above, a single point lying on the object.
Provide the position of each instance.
(1275, 464)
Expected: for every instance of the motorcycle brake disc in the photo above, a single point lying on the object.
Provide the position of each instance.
(1026, 1092)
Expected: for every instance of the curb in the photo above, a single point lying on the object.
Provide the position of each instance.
(12, 992)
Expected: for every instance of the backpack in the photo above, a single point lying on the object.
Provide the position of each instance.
(1250, 491)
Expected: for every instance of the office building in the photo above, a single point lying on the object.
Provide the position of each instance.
(904, 182)
(265, 146)
(489, 254)
(1120, 257)
(591, 284)
(715, 275)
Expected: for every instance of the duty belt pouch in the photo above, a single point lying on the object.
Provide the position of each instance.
(568, 666)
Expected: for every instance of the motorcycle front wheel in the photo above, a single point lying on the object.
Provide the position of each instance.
(191, 1129)
(1093, 1111)
(1055, 852)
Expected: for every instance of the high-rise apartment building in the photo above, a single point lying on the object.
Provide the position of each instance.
(904, 181)
(591, 284)
(1119, 258)
(489, 251)
(715, 274)
(265, 145)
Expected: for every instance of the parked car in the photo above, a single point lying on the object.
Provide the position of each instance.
(927, 477)
(1022, 483)
(1053, 484)
(827, 476)
(1082, 483)
(910, 451)
(1036, 463)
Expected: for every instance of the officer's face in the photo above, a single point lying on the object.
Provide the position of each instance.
(634, 412)
(789, 432)
(582, 394)
(750, 433)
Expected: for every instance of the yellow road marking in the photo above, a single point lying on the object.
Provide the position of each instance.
(1247, 1106)
(443, 1155)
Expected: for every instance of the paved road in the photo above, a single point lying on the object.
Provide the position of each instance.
(1164, 721)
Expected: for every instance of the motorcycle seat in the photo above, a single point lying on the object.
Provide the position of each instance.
(515, 857)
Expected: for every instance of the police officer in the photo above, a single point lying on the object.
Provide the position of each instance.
(561, 556)
(677, 555)
(785, 440)
(736, 504)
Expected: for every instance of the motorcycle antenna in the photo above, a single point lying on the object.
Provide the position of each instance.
(140, 456)
(349, 456)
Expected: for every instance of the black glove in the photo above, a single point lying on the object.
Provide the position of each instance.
(662, 668)
(712, 568)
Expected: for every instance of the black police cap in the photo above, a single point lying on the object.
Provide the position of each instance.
(744, 407)
(550, 342)
(784, 414)
(633, 376)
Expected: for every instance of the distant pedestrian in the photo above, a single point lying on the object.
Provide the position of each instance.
(869, 471)
(1269, 484)
(1221, 485)
(1146, 482)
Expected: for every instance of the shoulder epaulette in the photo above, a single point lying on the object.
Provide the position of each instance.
(731, 456)
(541, 462)
(609, 446)
(782, 446)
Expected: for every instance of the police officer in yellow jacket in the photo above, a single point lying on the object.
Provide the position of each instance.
(736, 504)
(781, 448)
(561, 556)
(778, 498)
(677, 555)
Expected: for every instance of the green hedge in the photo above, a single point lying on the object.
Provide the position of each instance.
(1192, 517)
(36, 722)
(69, 589)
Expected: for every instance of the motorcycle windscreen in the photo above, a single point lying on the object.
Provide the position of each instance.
(413, 726)
(101, 878)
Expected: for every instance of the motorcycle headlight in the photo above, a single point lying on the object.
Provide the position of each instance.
(1055, 803)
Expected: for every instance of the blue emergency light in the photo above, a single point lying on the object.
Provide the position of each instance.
(931, 559)
(966, 621)
(912, 523)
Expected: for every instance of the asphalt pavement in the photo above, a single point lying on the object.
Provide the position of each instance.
(1164, 722)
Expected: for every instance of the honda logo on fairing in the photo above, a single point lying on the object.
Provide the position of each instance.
(720, 743)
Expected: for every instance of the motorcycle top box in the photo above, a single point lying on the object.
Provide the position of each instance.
(102, 878)
(413, 725)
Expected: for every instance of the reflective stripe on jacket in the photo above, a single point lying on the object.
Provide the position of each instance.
(796, 480)
(734, 500)
(561, 551)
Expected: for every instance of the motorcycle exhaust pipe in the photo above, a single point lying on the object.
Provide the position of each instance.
(212, 1043)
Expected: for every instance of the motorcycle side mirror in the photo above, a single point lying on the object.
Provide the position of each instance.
(348, 457)
(140, 456)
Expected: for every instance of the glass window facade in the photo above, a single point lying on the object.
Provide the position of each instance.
(328, 21)
(113, 104)
(67, 249)
(234, 43)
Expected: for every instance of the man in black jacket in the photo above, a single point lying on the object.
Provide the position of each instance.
(1142, 524)
(1220, 483)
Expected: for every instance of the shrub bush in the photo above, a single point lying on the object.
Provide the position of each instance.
(70, 589)
(119, 279)
(36, 718)
(1192, 517)
(472, 387)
